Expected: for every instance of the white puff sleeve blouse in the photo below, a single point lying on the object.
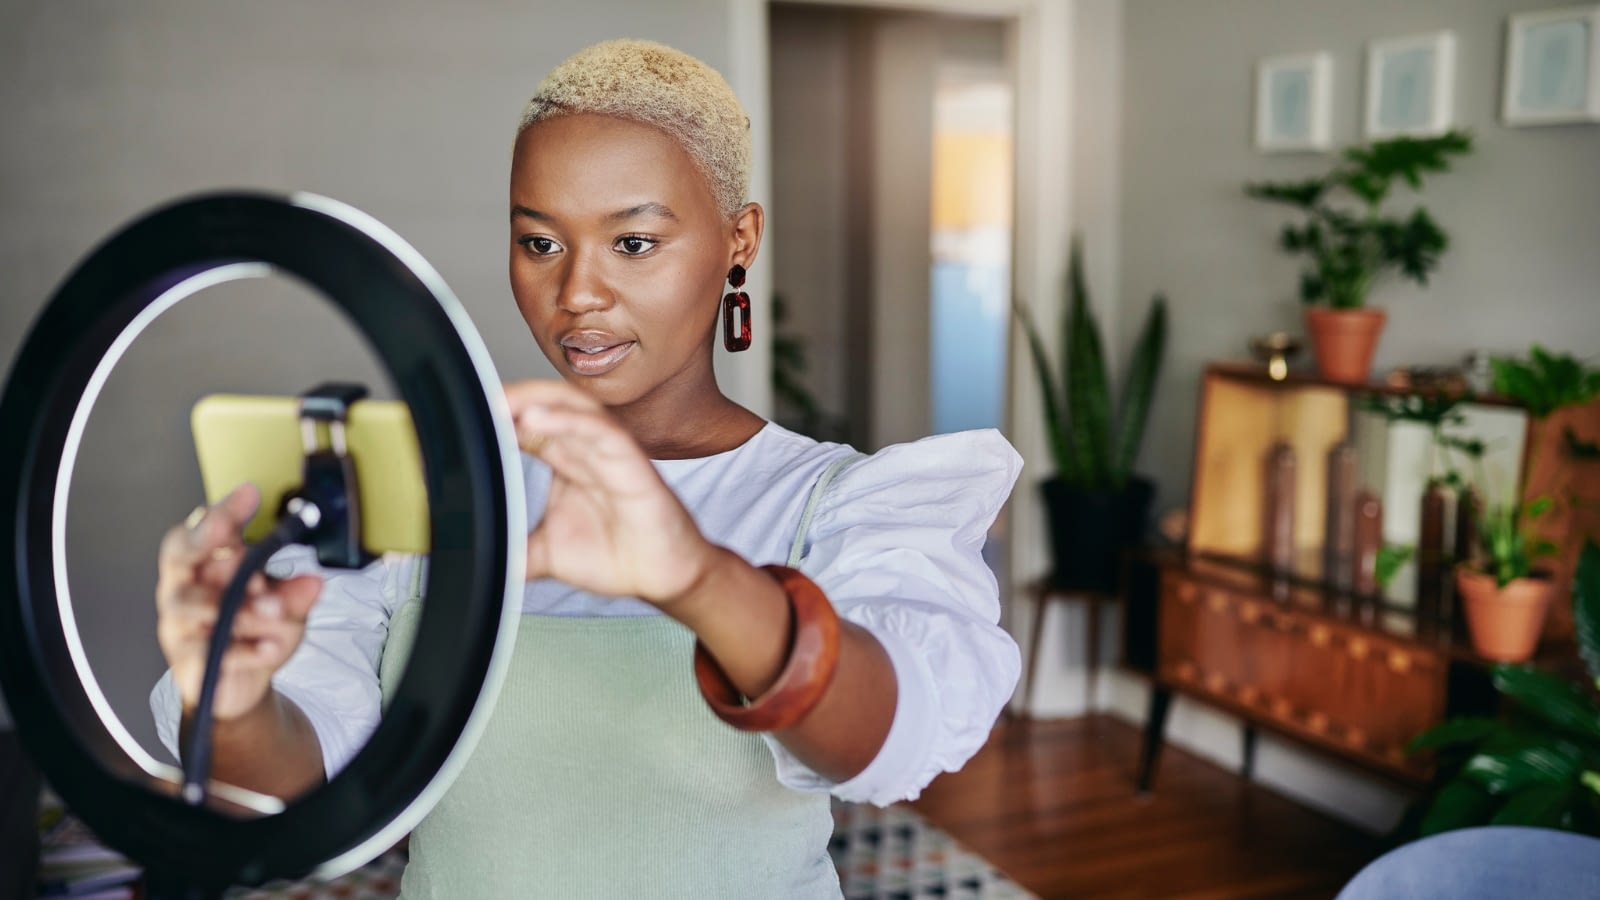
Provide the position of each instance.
(896, 542)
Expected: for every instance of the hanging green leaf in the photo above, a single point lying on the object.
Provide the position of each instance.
(1586, 608)
(1391, 558)
(1134, 410)
(1508, 771)
(1054, 417)
(1553, 699)
(1459, 804)
(1455, 732)
(1088, 388)
(1543, 806)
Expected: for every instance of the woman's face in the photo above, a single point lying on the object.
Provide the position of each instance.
(618, 255)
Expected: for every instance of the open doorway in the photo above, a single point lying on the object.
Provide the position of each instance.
(893, 180)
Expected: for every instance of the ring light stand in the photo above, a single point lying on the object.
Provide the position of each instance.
(476, 567)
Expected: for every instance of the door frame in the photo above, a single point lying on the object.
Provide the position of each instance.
(1040, 41)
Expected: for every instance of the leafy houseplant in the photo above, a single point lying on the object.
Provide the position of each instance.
(1558, 392)
(1350, 243)
(1505, 599)
(1545, 381)
(1097, 505)
(1540, 767)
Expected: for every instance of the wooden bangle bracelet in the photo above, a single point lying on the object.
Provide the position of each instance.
(813, 657)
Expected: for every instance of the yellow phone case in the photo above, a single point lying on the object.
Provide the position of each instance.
(241, 438)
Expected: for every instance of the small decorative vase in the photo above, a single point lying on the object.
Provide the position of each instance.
(1344, 341)
(1505, 623)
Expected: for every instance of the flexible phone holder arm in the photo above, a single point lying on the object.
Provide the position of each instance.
(324, 513)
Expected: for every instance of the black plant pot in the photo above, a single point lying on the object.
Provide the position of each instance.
(1090, 529)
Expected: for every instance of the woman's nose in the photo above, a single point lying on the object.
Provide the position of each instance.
(583, 289)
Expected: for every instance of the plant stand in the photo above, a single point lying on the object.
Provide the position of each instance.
(1040, 596)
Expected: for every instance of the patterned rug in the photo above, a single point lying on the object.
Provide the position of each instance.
(881, 854)
(893, 854)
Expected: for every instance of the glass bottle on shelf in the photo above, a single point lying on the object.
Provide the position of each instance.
(1368, 541)
(1338, 552)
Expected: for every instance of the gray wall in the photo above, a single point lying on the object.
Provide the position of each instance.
(403, 109)
(1523, 212)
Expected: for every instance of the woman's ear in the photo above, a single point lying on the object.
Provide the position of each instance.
(748, 224)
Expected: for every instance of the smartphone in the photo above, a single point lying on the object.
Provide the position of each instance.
(239, 438)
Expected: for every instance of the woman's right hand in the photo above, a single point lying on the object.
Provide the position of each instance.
(197, 561)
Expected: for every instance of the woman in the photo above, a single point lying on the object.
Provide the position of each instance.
(607, 768)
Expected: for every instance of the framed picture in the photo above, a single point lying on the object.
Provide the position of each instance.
(1410, 85)
(1553, 67)
(1293, 100)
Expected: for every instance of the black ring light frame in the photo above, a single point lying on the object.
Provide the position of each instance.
(475, 575)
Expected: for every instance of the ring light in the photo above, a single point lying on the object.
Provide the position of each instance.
(476, 569)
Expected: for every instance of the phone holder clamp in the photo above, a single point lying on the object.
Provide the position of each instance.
(329, 476)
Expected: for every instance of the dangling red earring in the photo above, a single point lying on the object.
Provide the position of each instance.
(732, 301)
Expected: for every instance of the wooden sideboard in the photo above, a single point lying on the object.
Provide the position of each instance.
(1284, 649)
(1356, 679)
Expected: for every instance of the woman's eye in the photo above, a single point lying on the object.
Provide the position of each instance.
(539, 245)
(633, 245)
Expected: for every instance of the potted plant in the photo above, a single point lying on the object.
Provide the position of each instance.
(1097, 506)
(1540, 766)
(1350, 242)
(1504, 598)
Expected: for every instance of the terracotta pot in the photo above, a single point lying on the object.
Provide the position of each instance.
(1344, 341)
(1505, 622)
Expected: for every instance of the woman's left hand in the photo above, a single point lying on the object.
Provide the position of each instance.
(611, 526)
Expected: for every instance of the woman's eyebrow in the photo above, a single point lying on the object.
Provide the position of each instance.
(653, 208)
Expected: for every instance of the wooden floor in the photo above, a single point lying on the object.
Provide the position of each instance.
(1052, 804)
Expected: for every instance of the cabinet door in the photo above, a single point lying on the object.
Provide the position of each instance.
(1339, 686)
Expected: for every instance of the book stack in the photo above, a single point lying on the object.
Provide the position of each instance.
(74, 863)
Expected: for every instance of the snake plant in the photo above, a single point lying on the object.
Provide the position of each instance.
(1092, 450)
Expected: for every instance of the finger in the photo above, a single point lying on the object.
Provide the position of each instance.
(188, 605)
(271, 627)
(602, 467)
(189, 635)
(219, 526)
(547, 392)
(217, 570)
(252, 657)
(299, 594)
(594, 430)
(538, 555)
(530, 443)
(225, 520)
(268, 621)
(206, 585)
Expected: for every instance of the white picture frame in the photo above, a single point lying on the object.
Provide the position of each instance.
(1552, 74)
(1410, 86)
(1294, 100)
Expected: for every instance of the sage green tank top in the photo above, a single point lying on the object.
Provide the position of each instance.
(602, 774)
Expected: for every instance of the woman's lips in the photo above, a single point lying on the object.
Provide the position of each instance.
(597, 360)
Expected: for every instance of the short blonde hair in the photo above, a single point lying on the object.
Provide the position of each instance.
(665, 88)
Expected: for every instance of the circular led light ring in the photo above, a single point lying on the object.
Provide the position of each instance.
(477, 517)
